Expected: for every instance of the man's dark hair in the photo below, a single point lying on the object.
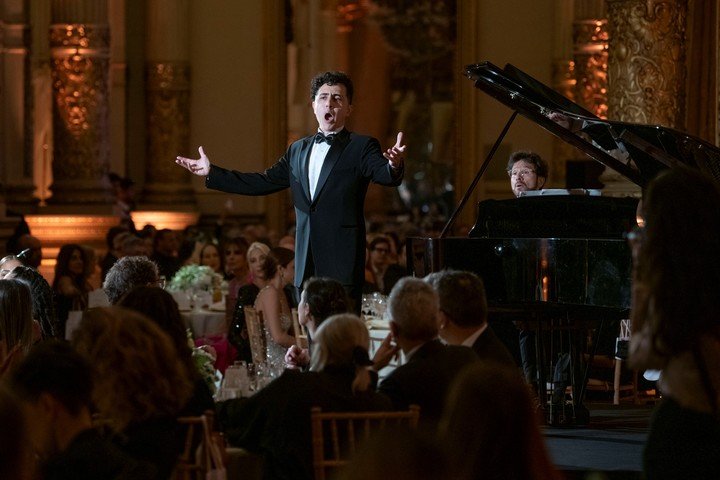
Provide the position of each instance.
(54, 367)
(462, 297)
(331, 78)
(159, 236)
(541, 166)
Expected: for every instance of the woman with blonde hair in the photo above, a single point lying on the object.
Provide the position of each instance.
(275, 422)
(141, 385)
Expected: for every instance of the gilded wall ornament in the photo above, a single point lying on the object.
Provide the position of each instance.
(591, 65)
(168, 122)
(80, 67)
(647, 61)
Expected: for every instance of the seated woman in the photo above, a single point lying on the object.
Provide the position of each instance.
(489, 428)
(381, 271)
(675, 323)
(272, 303)
(70, 285)
(159, 306)
(275, 421)
(16, 323)
(210, 256)
(242, 289)
(321, 297)
(141, 384)
(7, 264)
(43, 303)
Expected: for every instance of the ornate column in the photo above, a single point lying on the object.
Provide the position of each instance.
(167, 104)
(590, 53)
(16, 100)
(647, 61)
(79, 45)
(646, 65)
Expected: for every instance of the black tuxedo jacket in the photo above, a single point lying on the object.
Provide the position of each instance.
(332, 225)
(488, 347)
(275, 422)
(426, 378)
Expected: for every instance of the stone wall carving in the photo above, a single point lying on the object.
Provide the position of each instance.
(80, 65)
(591, 65)
(647, 61)
(168, 124)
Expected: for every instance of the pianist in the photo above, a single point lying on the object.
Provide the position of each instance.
(527, 172)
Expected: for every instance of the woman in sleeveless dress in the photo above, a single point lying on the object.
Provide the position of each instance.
(278, 270)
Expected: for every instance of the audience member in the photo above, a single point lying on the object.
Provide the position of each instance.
(140, 383)
(34, 256)
(246, 295)
(133, 246)
(235, 252)
(7, 264)
(489, 429)
(55, 385)
(16, 459)
(128, 273)
(43, 303)
(16, 324)
(430, 366)
(272, 303)
(397, 453)
(210, 256)
(159, 306)
(381, 274)
(675, 323)
(321, 298)
(276, 420)
(70, 284)
(463, 316)
(113, 249)
(165, 253)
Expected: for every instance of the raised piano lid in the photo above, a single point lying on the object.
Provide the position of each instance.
(638, 152)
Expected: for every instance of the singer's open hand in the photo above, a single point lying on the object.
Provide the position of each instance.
(396, 154)
(200, 167)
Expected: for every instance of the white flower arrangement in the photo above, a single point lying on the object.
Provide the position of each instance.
(204, 360)
(195, 277)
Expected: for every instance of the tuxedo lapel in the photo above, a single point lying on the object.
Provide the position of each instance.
(302, 166)
(338, 145)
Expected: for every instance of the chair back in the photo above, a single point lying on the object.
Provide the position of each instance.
(301, 338)
(336, 435)
(256, 335)
(202, 455)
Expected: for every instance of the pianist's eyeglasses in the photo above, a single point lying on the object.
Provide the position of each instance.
(521, 173)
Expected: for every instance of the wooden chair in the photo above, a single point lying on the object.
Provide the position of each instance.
(301, 338)
(346, 430)
(196, 458)
(256, 334)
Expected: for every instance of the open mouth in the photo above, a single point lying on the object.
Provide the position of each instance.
(328, 116)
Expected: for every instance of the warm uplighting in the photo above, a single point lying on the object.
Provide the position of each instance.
(171, 220)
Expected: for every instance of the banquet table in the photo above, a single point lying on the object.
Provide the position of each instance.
(205, 322)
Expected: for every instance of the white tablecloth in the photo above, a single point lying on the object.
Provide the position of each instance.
(205, 322)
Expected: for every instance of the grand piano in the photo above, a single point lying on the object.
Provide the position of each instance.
(546, 257)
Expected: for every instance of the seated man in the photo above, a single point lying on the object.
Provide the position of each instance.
(128, 273)
(430, 365)
(54, 384)
(527, 171)
(463, 316)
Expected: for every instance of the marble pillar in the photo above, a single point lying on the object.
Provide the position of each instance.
(79, 46)
(167, 104)
(16, 100)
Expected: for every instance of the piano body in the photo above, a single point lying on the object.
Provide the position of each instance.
(559, 256)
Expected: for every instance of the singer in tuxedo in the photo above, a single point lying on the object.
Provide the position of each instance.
(328, 174)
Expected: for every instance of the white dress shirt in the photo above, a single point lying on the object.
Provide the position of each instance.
(317, 158)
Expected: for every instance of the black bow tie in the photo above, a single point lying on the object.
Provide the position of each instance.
(321, 137)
